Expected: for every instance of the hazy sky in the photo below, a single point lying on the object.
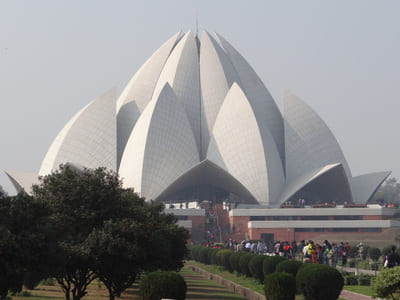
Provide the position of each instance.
(341, 57)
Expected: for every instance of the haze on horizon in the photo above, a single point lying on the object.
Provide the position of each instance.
(342, 58)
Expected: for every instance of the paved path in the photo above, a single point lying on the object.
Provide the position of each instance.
(201, 288)
(354, 296)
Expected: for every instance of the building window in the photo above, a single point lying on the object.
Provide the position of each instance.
(281, 218)
(343, 229)
(371, 229)
(347, 217)
(257, 218)
(309, 218)
(308, 229)
(182, 218)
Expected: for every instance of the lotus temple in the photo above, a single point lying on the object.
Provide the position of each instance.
(196, 128)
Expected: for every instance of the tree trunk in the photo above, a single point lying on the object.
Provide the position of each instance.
(111, 295)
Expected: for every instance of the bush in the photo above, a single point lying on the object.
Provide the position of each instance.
(195, 252)
(212, 256)
(162, 284)
(387, 283)
(244, 262)
(270, 263)
(386, 250)
(204, 255)
(280, 286)
(374, 253)
(256, 267)
(318, 282)
(223, 259)
(364, 279)
(289, 266)
(234, 261)
(350, 279)
(351, 263)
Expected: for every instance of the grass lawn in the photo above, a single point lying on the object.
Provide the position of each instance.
(361, 289)
(250, 283)
(198, 288)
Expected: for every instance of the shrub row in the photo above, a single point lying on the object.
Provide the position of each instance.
(281, 277)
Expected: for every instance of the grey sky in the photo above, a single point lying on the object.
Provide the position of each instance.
(341, 57)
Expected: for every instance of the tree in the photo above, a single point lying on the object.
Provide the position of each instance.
(23, 242)
(389, 191)
(125, 247)
(105, 231)
(3, 193)
(387, 283)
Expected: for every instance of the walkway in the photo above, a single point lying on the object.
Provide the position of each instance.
(355, 296)
(200, 288)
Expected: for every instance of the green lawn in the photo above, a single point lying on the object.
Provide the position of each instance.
(361, 289)
(250, 283)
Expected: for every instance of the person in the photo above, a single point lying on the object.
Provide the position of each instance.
(335, 255)
(293, 250)
(393, 259)
(361, 251)
(345, 253)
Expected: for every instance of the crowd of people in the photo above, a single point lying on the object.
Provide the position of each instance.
(325, 253)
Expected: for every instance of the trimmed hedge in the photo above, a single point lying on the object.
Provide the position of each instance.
(223, 259)
(212, 256)
(280, 286)
(270, 263)
(256, 267)
(162, 284)
(244, 262)
(234, 261)
(318, 282)
(289, 266)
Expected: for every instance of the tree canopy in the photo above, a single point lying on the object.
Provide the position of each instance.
(92, 228)
(389, 192)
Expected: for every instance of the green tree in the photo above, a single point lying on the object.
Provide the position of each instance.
(24, 241)
(105, 231)
(389, 191)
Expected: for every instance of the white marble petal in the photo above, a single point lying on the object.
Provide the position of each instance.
(181, 71)
(139, 91)
(217, 74)
(22, 181)
(88, 139)
(309, 142)
(160, 148)
(365, 186)
(264, 106)
(236, 145)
